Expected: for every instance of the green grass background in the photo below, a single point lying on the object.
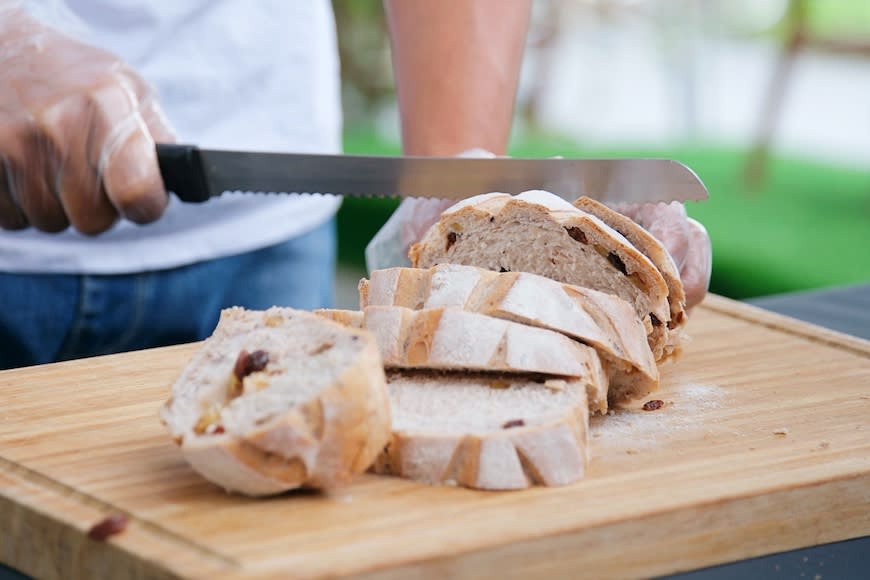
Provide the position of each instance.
(807, 226)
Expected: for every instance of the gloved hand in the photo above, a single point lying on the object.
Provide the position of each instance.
(77, 133)
(684, 238)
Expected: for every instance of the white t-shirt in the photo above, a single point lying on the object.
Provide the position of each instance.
(230, 74)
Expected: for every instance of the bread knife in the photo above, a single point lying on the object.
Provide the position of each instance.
(196, 175)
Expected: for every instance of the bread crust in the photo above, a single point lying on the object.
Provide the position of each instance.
(319, 443)
(574, 227)
(351, 318)
(554, 453)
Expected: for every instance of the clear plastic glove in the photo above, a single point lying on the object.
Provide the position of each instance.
(77, 133)
(389, 247)
(684, 238)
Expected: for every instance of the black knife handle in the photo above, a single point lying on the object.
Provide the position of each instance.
(183, 172)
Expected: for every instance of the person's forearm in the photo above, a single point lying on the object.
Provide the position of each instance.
(456, 64)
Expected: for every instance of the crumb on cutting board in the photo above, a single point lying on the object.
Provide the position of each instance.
(653, 405)
(107, 527)
(782, 431)
(687, 411)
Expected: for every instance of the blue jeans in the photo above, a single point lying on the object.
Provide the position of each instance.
(51, 317)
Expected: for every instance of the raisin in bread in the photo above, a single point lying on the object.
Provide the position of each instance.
(540, 233)
(603, 321)
(486, 433)
(279, 399)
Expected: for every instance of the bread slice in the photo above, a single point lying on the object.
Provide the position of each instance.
(279, 399)
(658, 255)
(540, 233)
(450, 339)
(603, 321)
(485, 433)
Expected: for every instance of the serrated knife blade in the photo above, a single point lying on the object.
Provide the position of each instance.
(195, 175)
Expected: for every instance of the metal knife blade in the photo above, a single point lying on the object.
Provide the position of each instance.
(195, 175)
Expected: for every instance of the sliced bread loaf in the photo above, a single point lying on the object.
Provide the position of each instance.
(658, 255)
(603, 321)
(279, 399)
(540, 233)
(450, 339)
(486, 433)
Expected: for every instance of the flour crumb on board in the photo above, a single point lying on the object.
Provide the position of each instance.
(633, 430)
(781, 432)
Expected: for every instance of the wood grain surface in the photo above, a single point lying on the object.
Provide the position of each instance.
(762, 445)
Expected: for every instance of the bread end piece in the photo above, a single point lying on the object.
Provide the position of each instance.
(659, 256)
(309, 431)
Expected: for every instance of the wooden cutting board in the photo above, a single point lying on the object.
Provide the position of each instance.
(763, 445)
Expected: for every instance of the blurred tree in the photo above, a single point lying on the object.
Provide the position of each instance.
(801, 24)
(545, 30)
(364, 49)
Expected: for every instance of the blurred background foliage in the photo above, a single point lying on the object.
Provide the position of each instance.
(767, 100)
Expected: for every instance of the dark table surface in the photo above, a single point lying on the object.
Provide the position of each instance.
(846, 310)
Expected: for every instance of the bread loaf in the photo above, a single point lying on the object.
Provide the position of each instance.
(540, 233)
(279, 399)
